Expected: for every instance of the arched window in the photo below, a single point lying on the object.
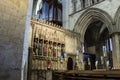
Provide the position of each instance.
(87, 3)
(74, 4)
(93, 1)
(83, 3)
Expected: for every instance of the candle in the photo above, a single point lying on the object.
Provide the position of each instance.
(88, 59)
(107, 63)
(102, 62)
(101, 58)
(104, 54)
(96, 64)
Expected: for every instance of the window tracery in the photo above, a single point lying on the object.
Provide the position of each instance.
(74, 2)
(87, 3)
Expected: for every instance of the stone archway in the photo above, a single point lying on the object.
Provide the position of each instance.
(88, 16)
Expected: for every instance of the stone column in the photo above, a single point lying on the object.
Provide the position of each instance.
(12, 35)
(116, 51)
(24, 64)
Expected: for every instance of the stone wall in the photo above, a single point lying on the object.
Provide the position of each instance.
(12, 29)
(65, 18)
(109, 6)
(69, 38)
(110, 12)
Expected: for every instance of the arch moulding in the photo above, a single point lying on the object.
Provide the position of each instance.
(117, 20)
(88, 17)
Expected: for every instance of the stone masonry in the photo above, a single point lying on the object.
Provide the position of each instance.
(12, 29)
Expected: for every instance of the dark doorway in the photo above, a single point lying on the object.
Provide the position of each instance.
(70, 64)
(97, 44)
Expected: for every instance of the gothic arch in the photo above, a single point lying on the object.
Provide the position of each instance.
(117, 20)
(88, 16)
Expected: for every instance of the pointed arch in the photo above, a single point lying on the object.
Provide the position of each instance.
(88, 16)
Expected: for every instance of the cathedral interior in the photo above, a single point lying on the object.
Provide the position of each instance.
(60, 40)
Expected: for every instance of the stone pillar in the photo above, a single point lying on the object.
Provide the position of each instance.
(14, 32)
(24, 64)
(116, 50)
